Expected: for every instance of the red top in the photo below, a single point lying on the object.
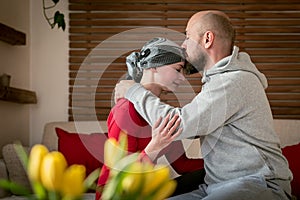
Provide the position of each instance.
(123, 116)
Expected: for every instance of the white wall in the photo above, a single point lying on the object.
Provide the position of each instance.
(15, 61)
(49, 69)
(41, 65)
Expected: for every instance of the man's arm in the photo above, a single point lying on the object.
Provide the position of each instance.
(148, 105)
(208, 111)
(125, 89)
(151, 108)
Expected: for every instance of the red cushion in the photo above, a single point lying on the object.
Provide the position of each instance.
(292, 154)
(84, 149)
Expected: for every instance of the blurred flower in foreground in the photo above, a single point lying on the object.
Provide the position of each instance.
(37, 153)
(133, 179)
(53, 167)
(73, 187)
(50, 176)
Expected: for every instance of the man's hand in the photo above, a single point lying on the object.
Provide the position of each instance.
(121, 89)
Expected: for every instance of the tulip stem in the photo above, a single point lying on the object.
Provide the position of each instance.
(39, 190)
(52, 195)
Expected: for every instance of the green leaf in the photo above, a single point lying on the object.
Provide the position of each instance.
(123, 142)
(55, 1)
(89, 182)
(39, 190)
(5, 184)
(15, 188)
(59, 19)
(52, 195)
(122, 164)
(109, 189)
(113, 189)
(22, 154)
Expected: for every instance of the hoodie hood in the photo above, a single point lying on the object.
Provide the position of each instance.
(237, 61)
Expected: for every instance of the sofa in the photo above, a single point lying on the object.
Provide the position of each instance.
(80, 142)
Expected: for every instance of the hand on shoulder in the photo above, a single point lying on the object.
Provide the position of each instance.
(121, 89)
(163, 133)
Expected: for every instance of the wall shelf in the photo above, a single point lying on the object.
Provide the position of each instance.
(17, 95)
(11, 36)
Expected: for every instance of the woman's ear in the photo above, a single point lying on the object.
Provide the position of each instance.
(208, 39)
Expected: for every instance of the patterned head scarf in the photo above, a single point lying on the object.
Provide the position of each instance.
(155, 53)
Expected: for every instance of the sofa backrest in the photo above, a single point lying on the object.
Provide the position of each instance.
(287, 130)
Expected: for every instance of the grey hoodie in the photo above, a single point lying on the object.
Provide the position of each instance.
(232, 117)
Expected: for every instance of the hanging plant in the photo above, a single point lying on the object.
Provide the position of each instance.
(58, 17)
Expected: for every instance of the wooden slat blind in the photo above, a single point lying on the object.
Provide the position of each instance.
(268, 30)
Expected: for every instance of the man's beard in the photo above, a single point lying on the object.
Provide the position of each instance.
(200, 61)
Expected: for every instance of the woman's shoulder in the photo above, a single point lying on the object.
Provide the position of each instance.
(125, 107)
(122, 104)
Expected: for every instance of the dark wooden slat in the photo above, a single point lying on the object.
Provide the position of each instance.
(277, 59)
(284, 96)
(282, 74)
(266, 38)
(185, 7)
(109, 89)
(270, 52)
(182, 2)
(283, 88)
(113, 15)
(112, 51)
(266, 29)
(113, 66)
(285, 111)
(278, 66)
(285, 116)
(95, 75)
(124, 23)
(291, 104)
(181, 14)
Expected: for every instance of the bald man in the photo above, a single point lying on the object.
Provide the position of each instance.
(231, 116)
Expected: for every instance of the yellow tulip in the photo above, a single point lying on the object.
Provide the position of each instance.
(155, 178)
(36, 156)
(52, 170)
(165, 190)
(73, 181)
(123, 142)
(133, 177)
(112, 152)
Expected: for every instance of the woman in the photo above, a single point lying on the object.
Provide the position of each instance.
(159, 62)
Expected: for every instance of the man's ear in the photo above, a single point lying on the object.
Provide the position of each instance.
(208, 39)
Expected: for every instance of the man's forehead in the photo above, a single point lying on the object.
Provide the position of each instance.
(191, 27)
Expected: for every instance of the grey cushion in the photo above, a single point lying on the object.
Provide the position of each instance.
(16, 171)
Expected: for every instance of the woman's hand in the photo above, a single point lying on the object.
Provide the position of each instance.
(163, 134)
